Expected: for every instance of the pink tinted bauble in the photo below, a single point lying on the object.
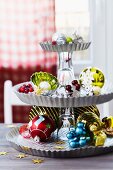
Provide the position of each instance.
(41, 127)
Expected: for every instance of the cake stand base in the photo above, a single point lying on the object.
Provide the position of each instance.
(55, 148)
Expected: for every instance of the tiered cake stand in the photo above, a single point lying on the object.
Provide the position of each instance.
(65, 75)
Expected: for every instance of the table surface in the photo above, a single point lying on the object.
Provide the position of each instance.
(11, 162)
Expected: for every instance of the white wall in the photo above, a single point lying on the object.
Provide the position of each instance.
(102, 40)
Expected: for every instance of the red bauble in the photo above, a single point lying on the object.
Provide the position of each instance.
(24, 131)
(41, 127)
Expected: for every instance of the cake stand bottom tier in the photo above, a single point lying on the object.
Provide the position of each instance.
(53, 149)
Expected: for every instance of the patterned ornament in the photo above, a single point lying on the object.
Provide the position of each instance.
(92, 80)
(41, 127)
(51, 112)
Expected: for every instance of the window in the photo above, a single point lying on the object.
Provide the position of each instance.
(71, 16)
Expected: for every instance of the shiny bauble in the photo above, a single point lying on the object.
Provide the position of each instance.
(24, 131)
(82, 142)
(41, 127)
(74, 144)
(59, 38)
(79, 131)
(70, 135)
(93, 76)
(76, 139)
(88, 138)
(84, 132)
(81, 124)
(69, 39)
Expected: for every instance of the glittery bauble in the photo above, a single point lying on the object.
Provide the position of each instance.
(92, 76)
(59, 38)
(41, 127)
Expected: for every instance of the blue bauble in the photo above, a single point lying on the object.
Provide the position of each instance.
(70, 135)
(82, 142)
(82, 138)
(71, 140)
(73, 131)
(80, 124)
(74, 144)
(84, 132)
(76, 139)
(88, 138)
(79, 131)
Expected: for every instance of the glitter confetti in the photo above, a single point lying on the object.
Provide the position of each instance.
(37, 161)
(59, 147)
(3, 153)
(25, 148)
(21, 156)
(60, 142)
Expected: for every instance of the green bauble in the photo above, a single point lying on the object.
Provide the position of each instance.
(96, 75)
(43, 77)
(68, 39)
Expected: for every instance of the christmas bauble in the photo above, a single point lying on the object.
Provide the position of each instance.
(74, 144)
(92, 76)
(41, 127)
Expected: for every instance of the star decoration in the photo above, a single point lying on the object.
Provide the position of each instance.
(25, 148)
(21, 156)
(3, 153)
(59, 147)
(37, 161)
(60, 142)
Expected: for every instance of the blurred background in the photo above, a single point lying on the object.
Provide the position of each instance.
(26, 23)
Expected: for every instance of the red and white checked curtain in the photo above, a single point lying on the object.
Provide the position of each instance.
(23, 24)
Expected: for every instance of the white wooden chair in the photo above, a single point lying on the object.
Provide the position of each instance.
(10, 99)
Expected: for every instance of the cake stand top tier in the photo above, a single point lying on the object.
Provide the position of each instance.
(68, 47)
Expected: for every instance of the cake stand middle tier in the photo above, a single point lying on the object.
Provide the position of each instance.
(49, 101)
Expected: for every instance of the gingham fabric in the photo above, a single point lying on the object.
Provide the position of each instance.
(23, 24)
(18, 75)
